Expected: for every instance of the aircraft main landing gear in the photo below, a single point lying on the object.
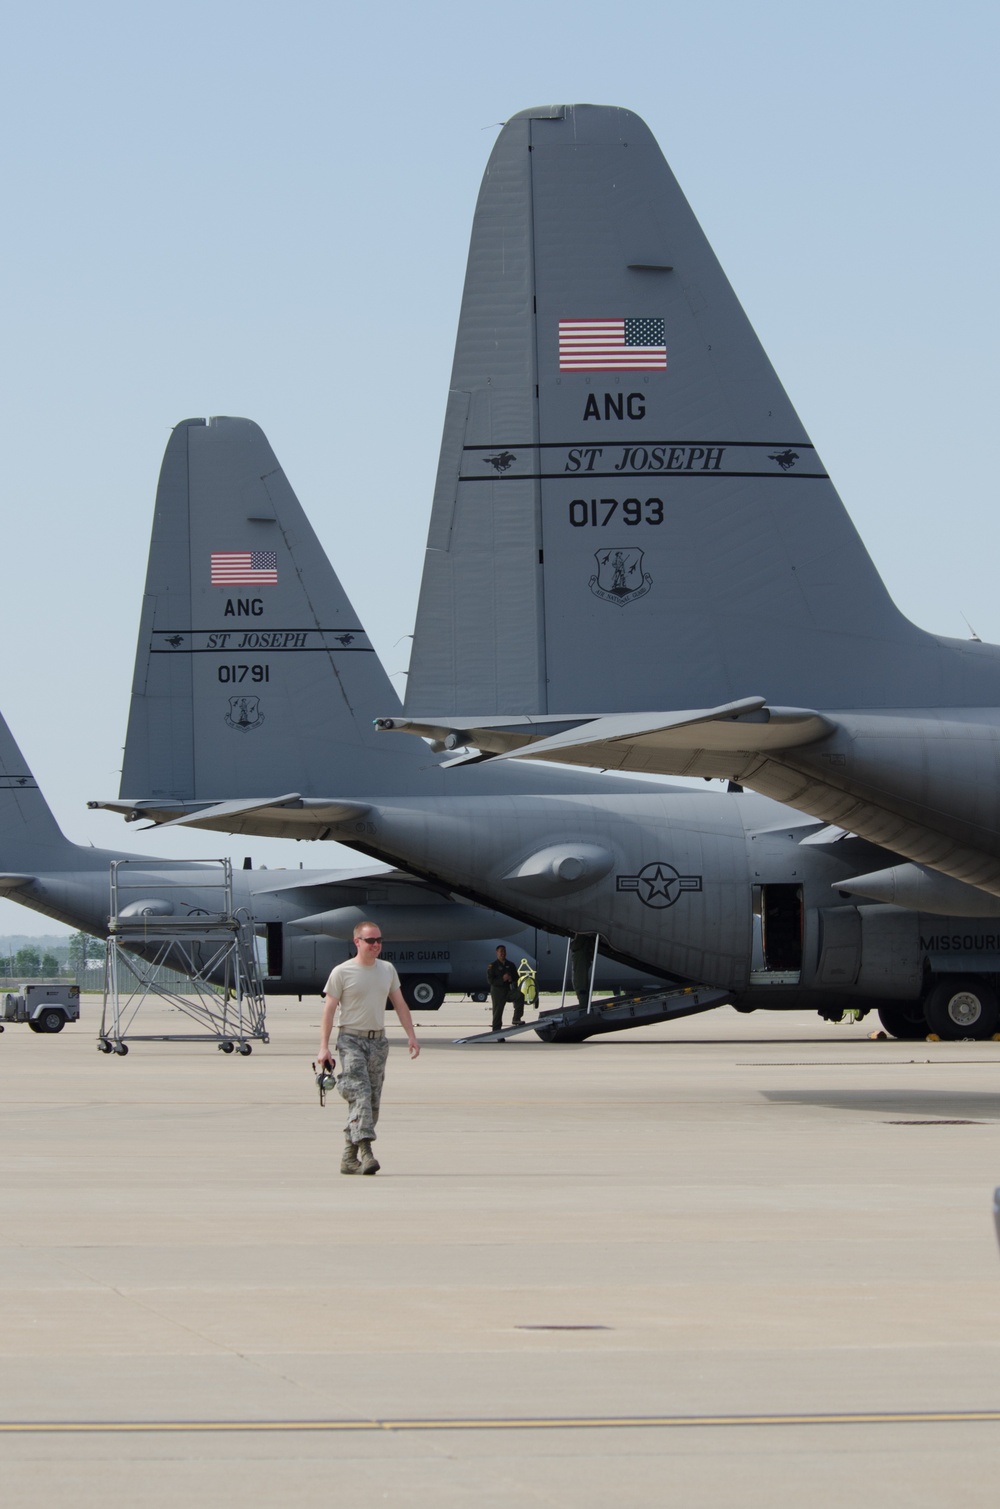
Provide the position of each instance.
(960, 1006)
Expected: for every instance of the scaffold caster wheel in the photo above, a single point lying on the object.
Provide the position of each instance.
(226, 1047)
(103, 1046)
(121, 1049)
(245, 1049)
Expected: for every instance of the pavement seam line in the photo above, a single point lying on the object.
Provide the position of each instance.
(553, 1422)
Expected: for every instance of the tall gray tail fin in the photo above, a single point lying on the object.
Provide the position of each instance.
(30, 838)
(629, 513)
(253, 675)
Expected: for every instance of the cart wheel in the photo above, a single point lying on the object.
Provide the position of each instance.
(226, 1047)
(246, 1049)
(103, 1045)
(121, 1049)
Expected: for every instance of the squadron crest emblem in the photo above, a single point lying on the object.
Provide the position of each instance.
(620, 578)
(244, 713)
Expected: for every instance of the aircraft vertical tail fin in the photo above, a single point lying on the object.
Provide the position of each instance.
(30, 837)
(629, 513)
(253, 674)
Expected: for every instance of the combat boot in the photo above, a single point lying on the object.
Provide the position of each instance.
(367, 1159)
(349, 1163)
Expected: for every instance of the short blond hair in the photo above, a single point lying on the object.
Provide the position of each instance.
(359, 925)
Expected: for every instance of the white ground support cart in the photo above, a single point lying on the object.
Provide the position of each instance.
(45, 1008)
(221, 999)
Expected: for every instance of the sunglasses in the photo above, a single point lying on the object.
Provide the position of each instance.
(368, 940)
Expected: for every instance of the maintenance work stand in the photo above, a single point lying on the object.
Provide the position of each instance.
(222, 998)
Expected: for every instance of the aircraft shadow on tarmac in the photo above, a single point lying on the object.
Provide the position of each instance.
(944, 1105)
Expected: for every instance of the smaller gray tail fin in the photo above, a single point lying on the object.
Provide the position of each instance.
(30, 838)
(253, 676)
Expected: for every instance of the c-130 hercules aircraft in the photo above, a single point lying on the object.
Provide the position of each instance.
(584, 255)
(670, 879)
(679, 545)
(304, 917)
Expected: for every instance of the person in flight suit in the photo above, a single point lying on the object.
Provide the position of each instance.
(502, 977)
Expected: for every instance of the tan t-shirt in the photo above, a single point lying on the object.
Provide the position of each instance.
(362, 990)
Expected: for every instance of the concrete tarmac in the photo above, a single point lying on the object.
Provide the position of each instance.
(741, 1261)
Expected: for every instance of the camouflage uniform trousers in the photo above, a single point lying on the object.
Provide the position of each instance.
(362, 1070)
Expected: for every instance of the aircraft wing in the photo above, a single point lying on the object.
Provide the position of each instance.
(661, 743)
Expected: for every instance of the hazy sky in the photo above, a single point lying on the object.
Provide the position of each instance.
(263, 210)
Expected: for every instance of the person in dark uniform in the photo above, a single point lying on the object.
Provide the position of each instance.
(502, 977)
(582, 963)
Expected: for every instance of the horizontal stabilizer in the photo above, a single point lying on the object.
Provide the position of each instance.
(660, 742)
(220, 810)
(657, 736)
(490, 734)
(280, 817)
(14, 882)
(161, 813)
(156, 810)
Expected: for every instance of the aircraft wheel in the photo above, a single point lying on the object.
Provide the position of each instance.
(422, 992)
(245, 1049)
(904, 1019)
(962, 1006)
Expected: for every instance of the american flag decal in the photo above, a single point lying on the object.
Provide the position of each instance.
(629, 345)
(244, 568)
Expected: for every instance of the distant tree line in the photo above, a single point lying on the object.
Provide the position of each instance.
(29, 963)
